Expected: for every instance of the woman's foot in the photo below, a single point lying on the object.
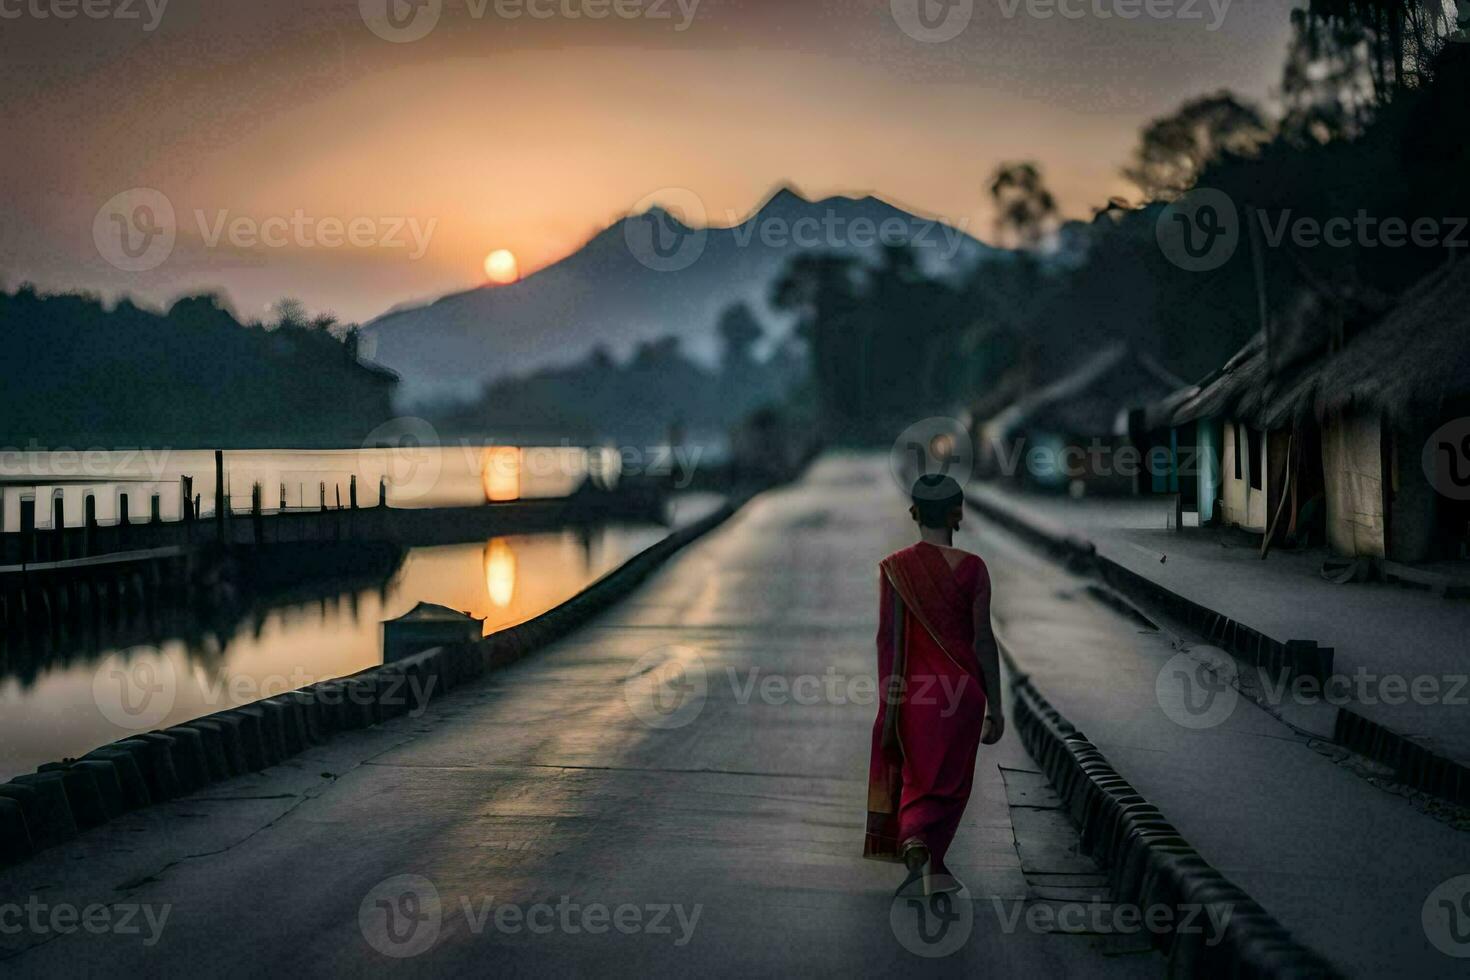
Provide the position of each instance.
(916, 859)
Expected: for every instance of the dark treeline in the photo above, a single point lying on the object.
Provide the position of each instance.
(657, 389)
(1371, 128)
(84, 376)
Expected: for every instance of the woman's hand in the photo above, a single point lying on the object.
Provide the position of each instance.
(992, 728)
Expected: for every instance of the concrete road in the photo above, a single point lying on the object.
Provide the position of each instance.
(704, 817)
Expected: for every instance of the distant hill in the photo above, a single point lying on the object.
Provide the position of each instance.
(646, 276)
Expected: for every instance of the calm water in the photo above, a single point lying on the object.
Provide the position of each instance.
(72, 706)
(436, 476)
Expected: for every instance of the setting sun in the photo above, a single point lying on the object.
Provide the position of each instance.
(501, 266)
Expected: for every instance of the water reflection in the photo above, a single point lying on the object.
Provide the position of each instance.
(500, 572)
(255, 627)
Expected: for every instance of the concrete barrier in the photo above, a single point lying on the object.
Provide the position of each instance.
(129, 775)
(211, 742)
(105, 783)
(191, 762)
(252, 739)
(156, 761)
(15, 836)
(292, 725)
(268, 724)
(1149, 862)
(47, 811)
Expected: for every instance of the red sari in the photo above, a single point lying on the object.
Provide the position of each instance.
(920, 789)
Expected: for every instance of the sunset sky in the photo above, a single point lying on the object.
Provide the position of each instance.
(500, 130)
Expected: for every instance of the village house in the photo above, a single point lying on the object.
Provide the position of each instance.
(1341, 424)
(1072, 435)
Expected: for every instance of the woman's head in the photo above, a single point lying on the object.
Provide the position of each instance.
(938, 502)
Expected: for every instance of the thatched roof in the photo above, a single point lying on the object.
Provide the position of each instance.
(1407, 364)
(1093, 400)
(1413, 361)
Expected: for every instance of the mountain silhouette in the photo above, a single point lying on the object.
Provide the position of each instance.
(649, 274)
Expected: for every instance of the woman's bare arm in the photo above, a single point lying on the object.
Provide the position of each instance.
(987, 653)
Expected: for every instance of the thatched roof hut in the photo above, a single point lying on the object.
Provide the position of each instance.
(1410, 364)
(1406, 364)
(1092, 400)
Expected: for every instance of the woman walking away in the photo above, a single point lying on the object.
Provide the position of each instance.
(940, 671)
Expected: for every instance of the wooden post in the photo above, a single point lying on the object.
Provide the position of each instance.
(283, 497)
(257, 510)
(219, 494)
(352, 493)
(382, 491)
(337, 488)
(323, 488)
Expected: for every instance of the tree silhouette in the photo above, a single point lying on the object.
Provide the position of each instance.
(1174, 149)
(1025, 210)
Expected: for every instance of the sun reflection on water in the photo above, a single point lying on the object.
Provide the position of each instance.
(500, 572)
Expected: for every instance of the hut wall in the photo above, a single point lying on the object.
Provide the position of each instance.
(1413, 509)
(1352, 465)
(1243, 504)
